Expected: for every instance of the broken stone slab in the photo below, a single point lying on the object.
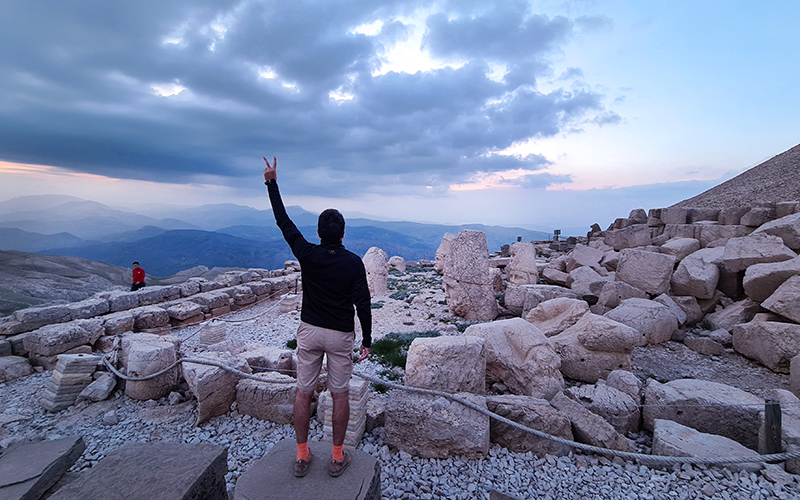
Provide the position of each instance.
(555, 277)
(436, 427)
(616, 407)
(786, 300)
(55, 339)
(148, 317)
(626, 382)
(99, 390)
(758, 216)
(28, 470)
(13, 367)
(212, 300)
(590, 428)
(757, 248)
(214, 387)
(534, 413)
(35, 317)
(583, 255)
(711, 233)
(143, 471)
(121, 301)
(520, 300)
(673, 306)
(230, 345)
(265, 358)
(771, 343)
(554, 316)
(88, 308)
(690, 306)
(647, 271)
(735, 314)
(613, 292)
(117, 322)
(452, 364)
(698, 273)
(650, 318)
(185, 310)
(522, 269)
(635, 235)
(680, 247)
(787, 228)
(147, 358)
(703, 345)
(673, 439)
(268, 400)
(272, 477)
(519, 356)
(761, 280)
(705, 406)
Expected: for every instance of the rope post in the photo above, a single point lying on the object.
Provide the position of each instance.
(772, 426)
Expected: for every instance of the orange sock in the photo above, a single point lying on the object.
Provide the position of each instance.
(338, 453)
(302, 451)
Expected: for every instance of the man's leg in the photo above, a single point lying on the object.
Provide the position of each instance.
(309, 364)
(341, 414)
(302, 418)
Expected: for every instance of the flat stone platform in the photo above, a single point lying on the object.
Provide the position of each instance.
(28, 470)
(272, 477)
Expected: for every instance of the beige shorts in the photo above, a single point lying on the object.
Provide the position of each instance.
(312, 343)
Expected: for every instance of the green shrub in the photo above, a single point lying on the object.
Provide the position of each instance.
(392, 349)
(376, 305)
(292, 344)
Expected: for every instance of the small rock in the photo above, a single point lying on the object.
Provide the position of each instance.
(110, 418)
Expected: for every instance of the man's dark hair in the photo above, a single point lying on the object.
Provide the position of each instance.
(135, 263)
(330, 226)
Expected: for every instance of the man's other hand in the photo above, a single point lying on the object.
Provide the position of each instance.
(271, 172)
(363, 352)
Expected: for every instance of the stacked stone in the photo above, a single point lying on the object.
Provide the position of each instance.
(359, 395)
(73, 373)
(211, 334)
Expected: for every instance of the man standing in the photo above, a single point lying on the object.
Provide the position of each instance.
(138, 277)
(334, 280)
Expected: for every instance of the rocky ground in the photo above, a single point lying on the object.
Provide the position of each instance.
(418, 305)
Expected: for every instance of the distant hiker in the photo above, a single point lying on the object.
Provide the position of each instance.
(334, 280)
(138, 277)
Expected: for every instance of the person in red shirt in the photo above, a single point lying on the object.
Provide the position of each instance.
(138, 277)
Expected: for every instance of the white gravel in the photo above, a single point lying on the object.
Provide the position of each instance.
(403, 477)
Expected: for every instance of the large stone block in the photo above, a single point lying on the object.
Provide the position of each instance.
(520, 300)
(680, 247)
(786, 228)
(698, 274)
(468, 281)
(436, 427)
(212, 300)
(690, 306)
(554, 316)
(770, 343)
(673, 306)
(121, 301)
(34, 317)
(13, 367)
(757, 248)
(705, 406)
(519, 356)
(735, 314)
(146, 358)
(616, 407)
(711, 233)
(786, 300)
(271, 400)
(118, 322)
(652, 319)
(452, 364)
(761, 280)
(55, 339)
(188, 288)
(647, 271)
(583, 255)
(632, 236)
(267, 359)
(674, 215)
(590, 428)
(148, 317)
(214, 388)
(613, 292)
(530, 412)
(88, 308)
(522, 269)
(376, 263)
(732, 216)
(30, 469)
(185, 310)
(443, 251)
(676, 440)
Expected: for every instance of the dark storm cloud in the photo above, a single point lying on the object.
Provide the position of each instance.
(76, 84)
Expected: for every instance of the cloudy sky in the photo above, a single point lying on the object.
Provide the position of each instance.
(537, 114)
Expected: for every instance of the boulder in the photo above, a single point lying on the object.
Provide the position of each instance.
(266, 358)
(732, 216)
(519, 356)
(711, 233)
(582, 255)
(435, 427)
(88, 308)
(676, 440)
(647, 271)
(757, 248)
(190, 287)
(147, 358)
(689, 306)
(271, 400)
(699, 214)
(581, 279)
(230, 345)
(13, 367)
(554, 316)
(613, 292)
(130, 339)
(117, 322)
(451, 364)
(530, 412)
(715, 408)
(99, 390)
(616, 407)
(376, 263)
(680, 247)
(736, 313)
(770, 343)
(761, 280)
(629, 237)
(758, 216)
(398, 263)
(673, 307)
(625, 381)
(786, 300)
(652, 319)
(590, 428)
(555, 277)
(147, 317)
(443, 252)
(786, 228)
(703, 345)
(520, 300)
(522, 270)
(698, 274)
(468, 282)
(59, 338)
(184, 311)
(214, 388)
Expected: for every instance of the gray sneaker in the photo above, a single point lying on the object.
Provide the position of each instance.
(338, 466)
(301, 466)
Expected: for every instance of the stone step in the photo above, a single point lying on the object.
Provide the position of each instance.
(272, 477)
(28, 470)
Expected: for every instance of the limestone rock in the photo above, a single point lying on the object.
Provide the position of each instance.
(35, 317)
(530, 412)
(673, 439)
(786, 300)
(614, 292)
(522, 270)
(12, 367)
(787, 228)
(590, 428)
(214, 388)
(625, 381)
(520, 300)
(650, 318)
(790, 426)
(582, 255)
(58, 338)
(736, 313)
(212, 300)
(770, 343)
(673, 307)
(555, 277)
(761, 280)
(556, 315)
(452, 364)
(185, 310)
(757, 248)
(147, 358)
(610, 260)
(435, 427)
(266, 358)
(88, 308)
(616, 407)
(271, 400)
(99, 390)
(117, 322)
(468, 282)
(758, 216)
(398, 263)
(230, 345)
(680, 247)
(703, 345)
(122, 301)
(710, 234)
(690, 306)
(629, 237)
(376, 263)
(698, 274)
(148, 317)
(647, 271)
(716, 408)
(519, 356)
(443, 252)
(30, 469)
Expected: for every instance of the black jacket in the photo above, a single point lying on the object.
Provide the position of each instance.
(334, 278)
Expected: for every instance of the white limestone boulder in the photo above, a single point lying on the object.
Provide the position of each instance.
(786, 228)
(271, 400)
(519, 356)
(451, 364)
(522, 270)
(614, 292)
(771, 343)
(590, 428)
(737, 313)
(698, 273)
(786, 300)
(761, 280)
(376, 263)
(583, 255)
(468, 282)
(147, 358)
(520, 300)
(556, 315)
(214, 388)
(397, 263)
(680, 247)
(616, 407)
(647, 271)
(690, 306)
(705, 406)
(673, 306)
(59, 338)
(13, 367)
(652, 319)
(530, 412)
(756, 248)
(625, 381)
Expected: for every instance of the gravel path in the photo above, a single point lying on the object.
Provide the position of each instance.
(403, 477)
